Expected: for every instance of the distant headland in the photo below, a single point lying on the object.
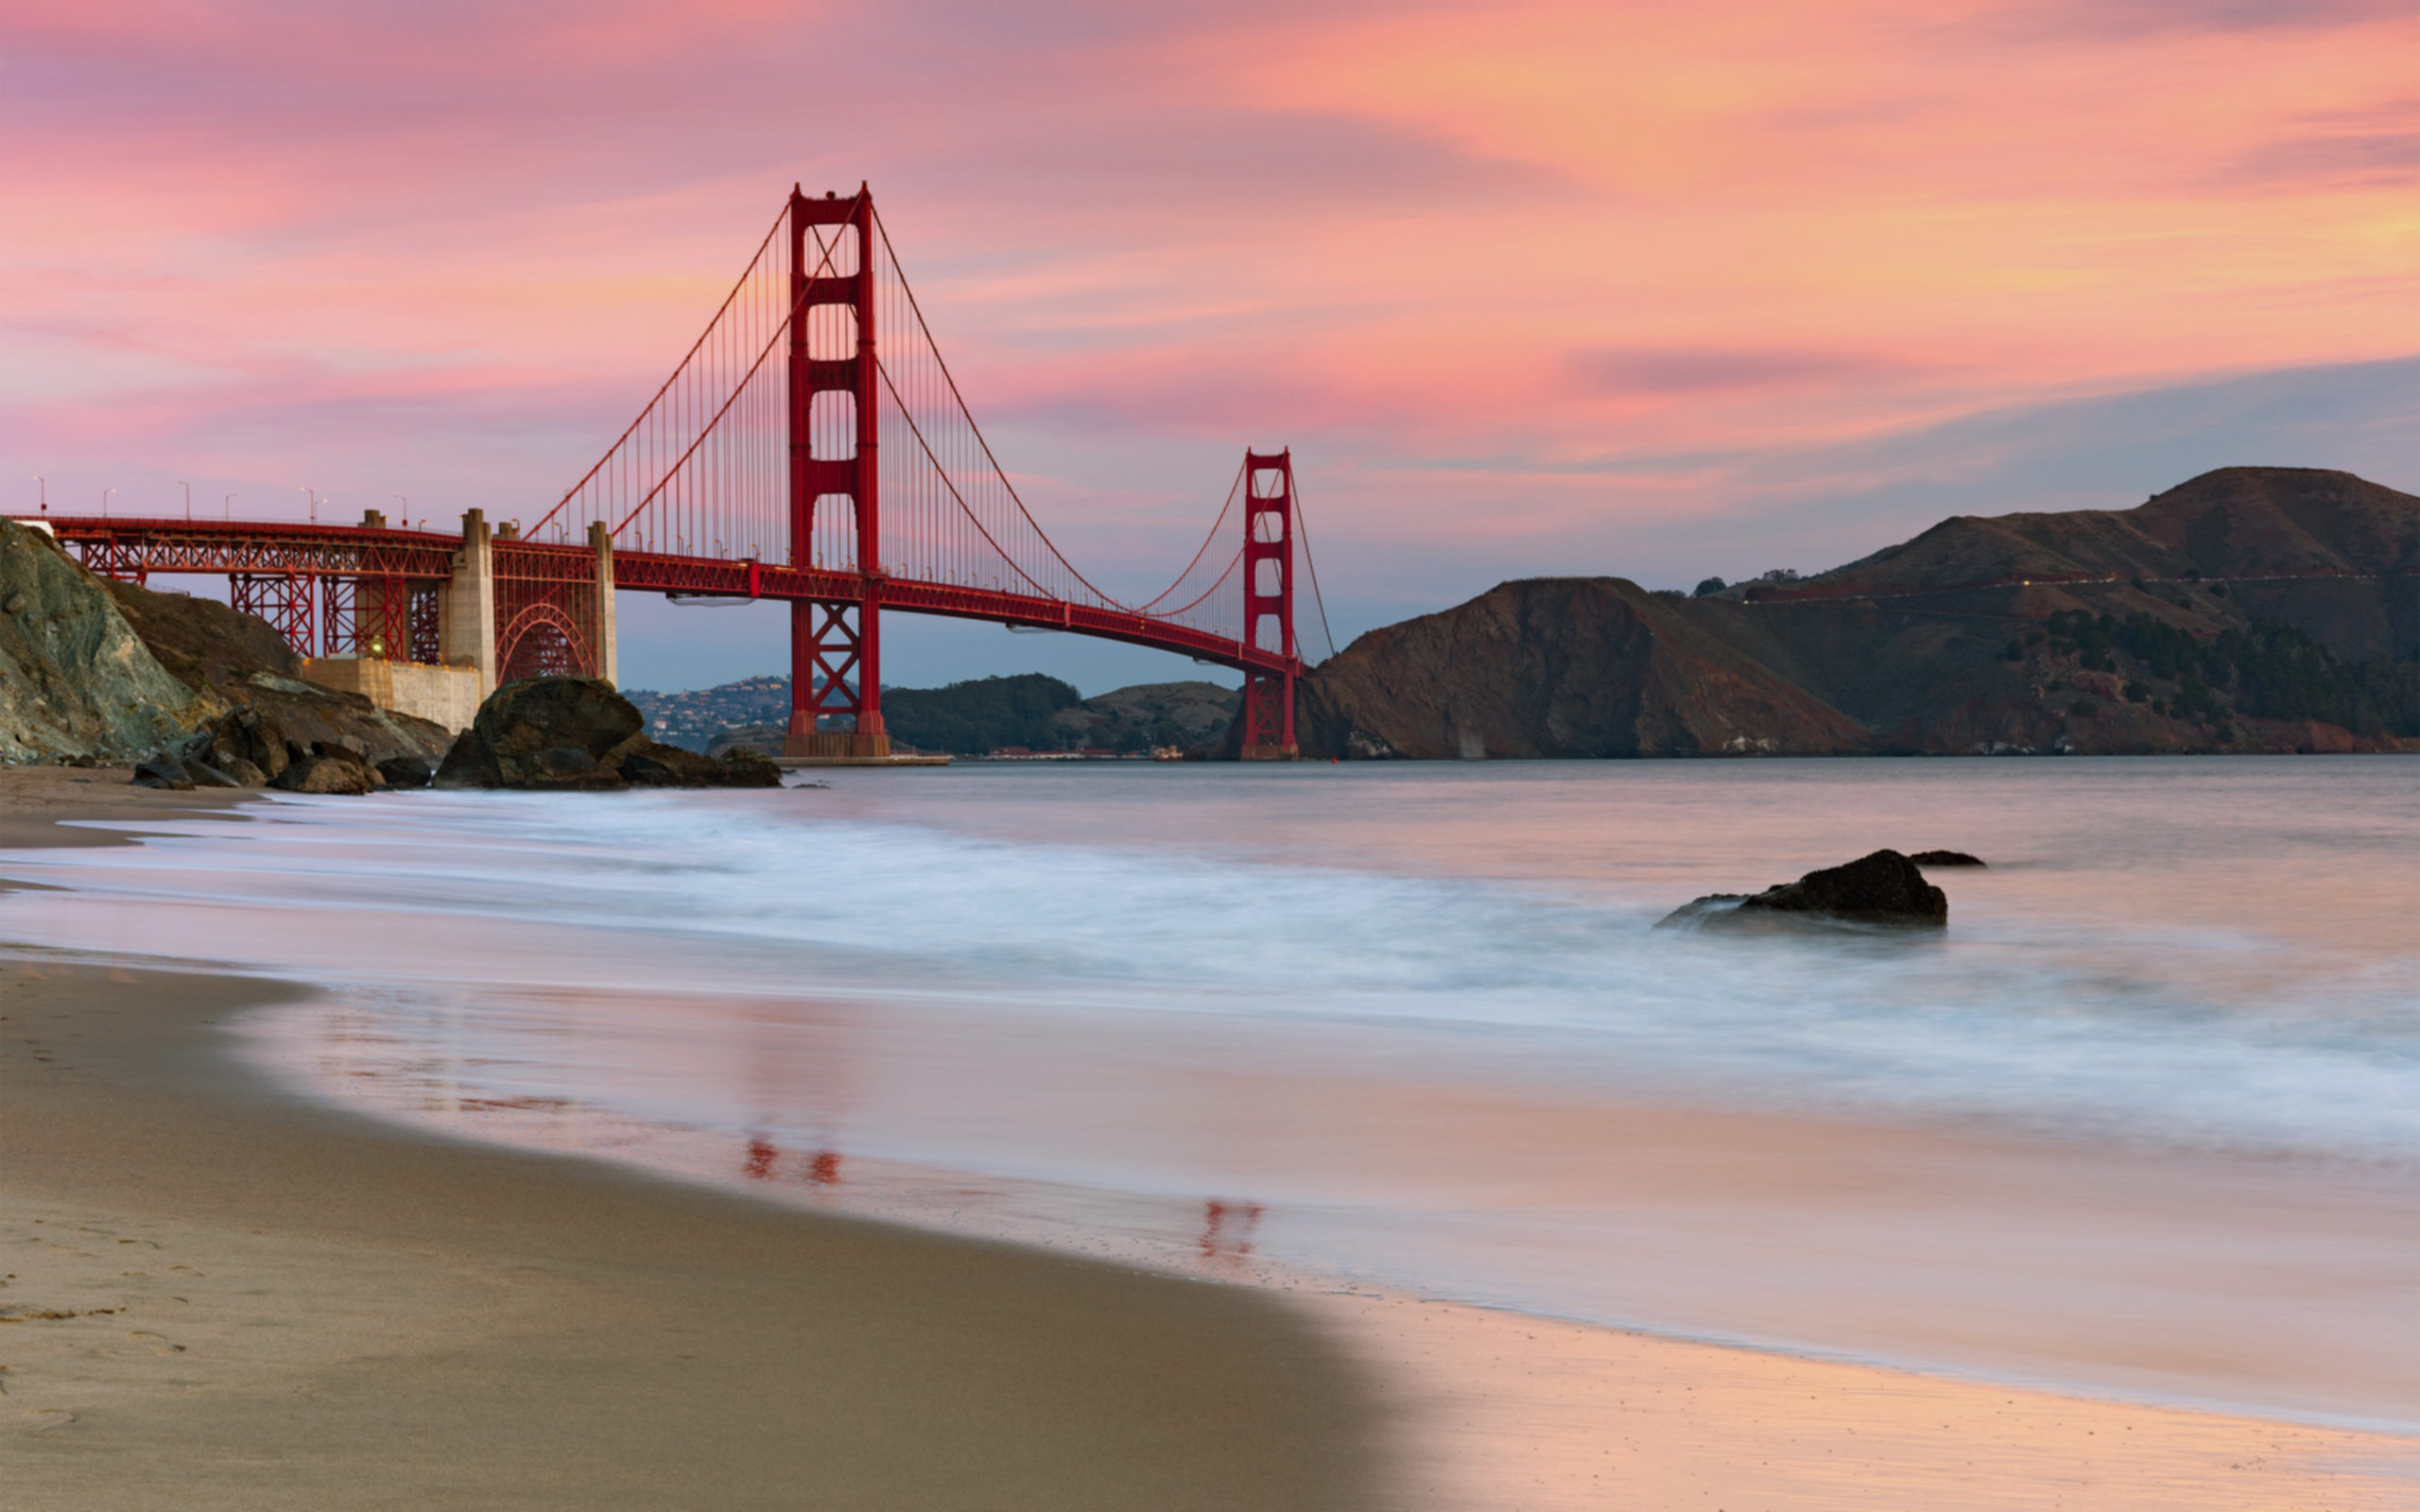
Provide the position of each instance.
(2251, 610)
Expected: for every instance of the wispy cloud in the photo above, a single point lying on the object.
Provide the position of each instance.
(1697, 370)
(1621, 251)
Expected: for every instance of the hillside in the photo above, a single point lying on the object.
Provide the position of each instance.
(691, 720)
(970, 719)
(2252, 609)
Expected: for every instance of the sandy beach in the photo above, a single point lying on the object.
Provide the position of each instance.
(218, 1295)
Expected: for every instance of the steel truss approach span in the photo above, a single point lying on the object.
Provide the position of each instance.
(812, 447)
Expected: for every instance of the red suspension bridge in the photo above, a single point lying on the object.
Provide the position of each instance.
(812, 447)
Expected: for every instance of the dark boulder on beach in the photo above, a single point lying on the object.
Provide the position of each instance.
(165, 772)
(241, 748)
(544, 732)
(572, 734)
(1883, 888)
(408, 771)
(1945, 858)
(330, 768)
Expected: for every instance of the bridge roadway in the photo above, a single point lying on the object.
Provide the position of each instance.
(375, 553)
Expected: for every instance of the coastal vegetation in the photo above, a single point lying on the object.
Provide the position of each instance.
(974, 718)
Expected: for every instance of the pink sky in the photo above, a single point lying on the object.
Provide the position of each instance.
(1650, 289)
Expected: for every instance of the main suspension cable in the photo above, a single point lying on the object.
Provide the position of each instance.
(1302, 521)
(741, 388)
(677, 372)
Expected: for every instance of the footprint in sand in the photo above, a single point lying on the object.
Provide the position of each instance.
(157, 1344)
(42, 1420)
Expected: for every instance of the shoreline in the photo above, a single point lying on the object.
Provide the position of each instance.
(320, 1306)
(222, 1296)
(1439, 1404)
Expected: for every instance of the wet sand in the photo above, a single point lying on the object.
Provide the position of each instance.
(216, 1296)
(223, 1296)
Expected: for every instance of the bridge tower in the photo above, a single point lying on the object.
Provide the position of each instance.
(836, 646)
(1269, 596)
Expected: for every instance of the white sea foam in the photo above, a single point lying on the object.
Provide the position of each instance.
(2092, 1018)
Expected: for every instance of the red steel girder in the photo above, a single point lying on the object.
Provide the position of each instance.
(136, 548)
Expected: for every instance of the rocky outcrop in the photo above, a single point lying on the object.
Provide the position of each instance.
(237, 660)
(2253, 610)
(1882, 888)
(76, 680)
(244, 747)
(577, 734)
(330, 769)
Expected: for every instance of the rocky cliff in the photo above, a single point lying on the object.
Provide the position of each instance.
(2252, 609)
(75, 681)
(235, 661)
(107, 672)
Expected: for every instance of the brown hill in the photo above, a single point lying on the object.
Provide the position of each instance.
(1559, 666)
(2252, 609)
(2239, 522)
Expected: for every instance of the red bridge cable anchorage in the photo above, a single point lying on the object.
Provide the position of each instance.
(585, 478)
(674, 470)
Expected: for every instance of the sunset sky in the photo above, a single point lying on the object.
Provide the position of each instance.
(1658, 290)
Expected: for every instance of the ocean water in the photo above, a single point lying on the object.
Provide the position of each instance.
(2144, 1120)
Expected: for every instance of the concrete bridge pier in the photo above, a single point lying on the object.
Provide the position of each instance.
(466, 613)
(600, 630)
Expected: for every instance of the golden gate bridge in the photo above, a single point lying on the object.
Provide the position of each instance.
(813, 448)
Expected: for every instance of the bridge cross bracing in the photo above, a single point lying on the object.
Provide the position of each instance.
(812, 447)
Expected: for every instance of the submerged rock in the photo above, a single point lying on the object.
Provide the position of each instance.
(1945, 858)
(1882, 888)
(572, 734)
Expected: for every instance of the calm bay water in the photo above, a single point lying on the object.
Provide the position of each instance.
(2158, 1086)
